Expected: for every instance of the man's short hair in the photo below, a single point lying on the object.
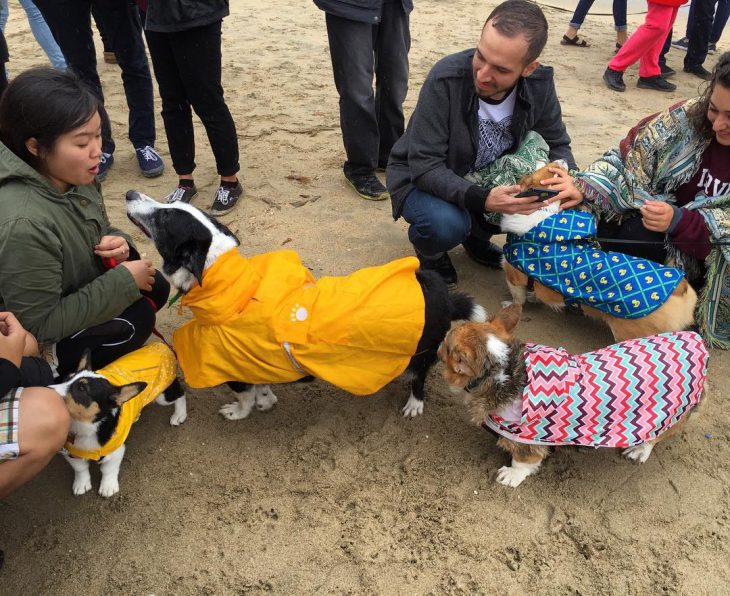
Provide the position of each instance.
(521, 17)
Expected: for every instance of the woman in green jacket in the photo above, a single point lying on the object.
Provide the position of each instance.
(73, 280)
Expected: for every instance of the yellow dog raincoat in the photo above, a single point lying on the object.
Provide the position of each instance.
(268, 320)
(153, 364)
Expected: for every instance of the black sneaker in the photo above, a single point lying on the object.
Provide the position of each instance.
(614, 79)
(484, 253)
(657, 83)
(225, 199)
(699, 71)
(441, 265)
(182, 193)
(368, 187)
(711, 48)
(668, 71)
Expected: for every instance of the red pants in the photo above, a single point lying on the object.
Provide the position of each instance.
(647, 41)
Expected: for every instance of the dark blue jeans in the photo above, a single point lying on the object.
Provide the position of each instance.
(619, 14)
(702, 13)
(371, 123)
(70, 23)
(722, 12)
(436, 225)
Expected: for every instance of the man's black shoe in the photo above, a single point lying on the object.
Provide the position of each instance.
(441, 265)
(699, 71)
(368, 187)
(668, 71)
(483, 252)
(657, 83)
(614, 79)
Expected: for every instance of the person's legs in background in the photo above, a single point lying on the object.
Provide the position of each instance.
(351, 51)
(109, 56)
(188, 70)
(619, 22)
(644, 46)
(699, 39)
(392, 45)
(123, 30)
(43, 35)
(570, 38)
(722, 12)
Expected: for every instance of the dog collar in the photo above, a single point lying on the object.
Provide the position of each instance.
(474, 383)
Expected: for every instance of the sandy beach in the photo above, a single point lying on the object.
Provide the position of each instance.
(330, 493)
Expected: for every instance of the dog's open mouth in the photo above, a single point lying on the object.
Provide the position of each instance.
(140, 225)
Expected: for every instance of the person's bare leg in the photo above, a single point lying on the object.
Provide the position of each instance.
(43, 424)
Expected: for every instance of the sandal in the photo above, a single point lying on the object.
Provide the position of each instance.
(618, 47)
(576, 41)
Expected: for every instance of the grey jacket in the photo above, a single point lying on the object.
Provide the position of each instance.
(440, 143)
(365, 11)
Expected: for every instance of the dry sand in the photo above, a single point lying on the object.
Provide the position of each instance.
(333, 493)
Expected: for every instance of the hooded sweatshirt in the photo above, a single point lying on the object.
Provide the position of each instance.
(50, 277)
(266, 319)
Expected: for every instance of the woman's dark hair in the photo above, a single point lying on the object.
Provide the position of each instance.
(43, 103)
(520, 17)
(697, 114)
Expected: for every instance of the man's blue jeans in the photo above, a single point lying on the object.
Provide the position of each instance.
(435, 225)
(40, 30)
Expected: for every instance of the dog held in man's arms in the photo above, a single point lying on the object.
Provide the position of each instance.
(266, 319)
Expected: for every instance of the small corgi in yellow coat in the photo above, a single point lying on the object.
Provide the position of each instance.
(267, 319)
(104, 404)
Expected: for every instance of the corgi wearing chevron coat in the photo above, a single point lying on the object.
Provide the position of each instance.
(630, 395)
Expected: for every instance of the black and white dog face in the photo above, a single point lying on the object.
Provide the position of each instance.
(188, 240)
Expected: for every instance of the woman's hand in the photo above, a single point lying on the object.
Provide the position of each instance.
(112, 247)
(143, 272)
(656, 215)
(12, 338)
(562, 181)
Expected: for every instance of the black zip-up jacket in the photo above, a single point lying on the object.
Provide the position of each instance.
(365, 11)
(170, 16)
(440, 143)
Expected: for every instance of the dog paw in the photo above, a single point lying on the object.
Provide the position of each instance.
(108, 487)
(413, 407)
(234, 411)
(506, 303)
(511, 476)
(638, 453)
(180, 414)
(265, 398)
(82, 484)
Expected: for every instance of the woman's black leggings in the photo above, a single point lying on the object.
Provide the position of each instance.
(123, 334)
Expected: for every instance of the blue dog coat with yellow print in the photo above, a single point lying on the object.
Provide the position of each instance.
(559, 253)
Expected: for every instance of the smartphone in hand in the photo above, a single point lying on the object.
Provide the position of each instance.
(542, 194)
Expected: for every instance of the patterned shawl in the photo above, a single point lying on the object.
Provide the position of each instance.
(659, 155)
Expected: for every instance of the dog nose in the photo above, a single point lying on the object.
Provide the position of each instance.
(132, 195)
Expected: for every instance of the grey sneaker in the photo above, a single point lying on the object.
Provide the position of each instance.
(182, 193)
(225, 199)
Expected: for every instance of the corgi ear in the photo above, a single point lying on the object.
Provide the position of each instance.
(85, 362)
(127, 392)
(507, 318)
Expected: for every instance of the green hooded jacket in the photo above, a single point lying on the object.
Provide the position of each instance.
(50, 277)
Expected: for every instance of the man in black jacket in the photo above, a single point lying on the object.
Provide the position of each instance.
(369, 38)
(474, 107)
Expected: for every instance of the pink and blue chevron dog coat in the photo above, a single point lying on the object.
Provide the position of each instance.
(619, 396)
